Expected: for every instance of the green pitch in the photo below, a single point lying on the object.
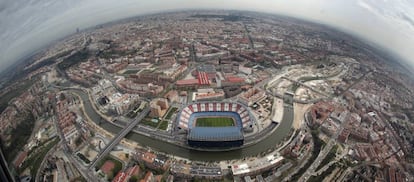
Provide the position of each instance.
(214, 122)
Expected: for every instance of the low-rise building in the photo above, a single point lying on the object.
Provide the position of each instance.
(152, 160)
(257, 166)
(208, 95)
(172, 96)
(149, 177)
(251, 96)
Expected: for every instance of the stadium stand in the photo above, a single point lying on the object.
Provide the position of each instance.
(224, 136)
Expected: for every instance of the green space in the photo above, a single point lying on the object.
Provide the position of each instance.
(323, 175)
(80, 179)
(73, 59)
(128, 72)
(214, 122)
(83, 158)
(36, 157)
(78, 141)
(48, 61)
(331, 155)
(137, 109)
(150, 122)
(114, 171)
(170, 112)
(132, 114)
(318, 145)
(155, 123)
(17, 91)
(308, 78)
(294, 87)
(19, 137)
(163, 125)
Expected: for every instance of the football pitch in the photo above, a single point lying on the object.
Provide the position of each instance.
(214, 122)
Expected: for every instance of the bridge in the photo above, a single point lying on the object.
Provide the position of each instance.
(108, 148)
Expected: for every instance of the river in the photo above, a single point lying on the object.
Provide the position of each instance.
(262, 146)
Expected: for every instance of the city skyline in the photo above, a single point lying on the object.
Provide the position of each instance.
(209, 94)
(389, 24)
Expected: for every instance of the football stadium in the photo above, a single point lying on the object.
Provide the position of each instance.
(215, 124)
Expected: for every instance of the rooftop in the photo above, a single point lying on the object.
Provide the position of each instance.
(257, 164)
(215, 134)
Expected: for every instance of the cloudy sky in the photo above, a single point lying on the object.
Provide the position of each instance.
(28, 25)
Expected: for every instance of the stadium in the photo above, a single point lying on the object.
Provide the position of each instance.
(215, 124)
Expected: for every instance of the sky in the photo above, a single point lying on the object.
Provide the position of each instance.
(29, 25)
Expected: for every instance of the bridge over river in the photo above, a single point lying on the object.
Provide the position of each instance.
(263, 145)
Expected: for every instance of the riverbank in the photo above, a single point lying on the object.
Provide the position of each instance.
(263, 145)
(298, 118)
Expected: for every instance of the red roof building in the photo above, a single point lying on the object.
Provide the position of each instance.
(22, 156)
(149, 177)
(133, 171)
(343, 137)
(121, 177)
(125, 176)
(235, 79)
(203, 78)
(187, 82)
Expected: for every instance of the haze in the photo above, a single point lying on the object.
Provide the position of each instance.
(29, 25)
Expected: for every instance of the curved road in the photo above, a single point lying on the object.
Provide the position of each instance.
(262, 146)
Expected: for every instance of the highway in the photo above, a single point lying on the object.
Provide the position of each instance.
(337, 158)
(323, 153)
(108, 148)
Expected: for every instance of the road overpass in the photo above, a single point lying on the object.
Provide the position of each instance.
(108, 148)
(307, 86)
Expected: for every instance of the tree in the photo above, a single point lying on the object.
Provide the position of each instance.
(133, 179)
(110, 176)
(62, 96)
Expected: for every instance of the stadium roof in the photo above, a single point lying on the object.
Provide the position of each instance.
(215, 134)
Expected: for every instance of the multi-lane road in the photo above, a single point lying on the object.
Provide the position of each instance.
(323, 153)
